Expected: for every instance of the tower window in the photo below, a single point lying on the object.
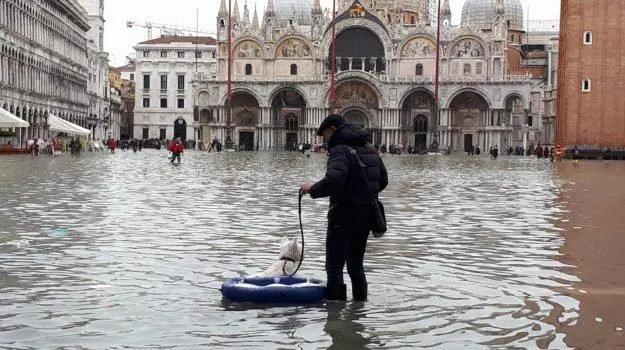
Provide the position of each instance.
(586, 85)
(419, 69)
(248, 69)
(294, 69)
(222, 23)
(587, 38)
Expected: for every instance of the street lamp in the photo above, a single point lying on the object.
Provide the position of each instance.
(228, 142)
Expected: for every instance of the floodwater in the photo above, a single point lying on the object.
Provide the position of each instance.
(112, 251)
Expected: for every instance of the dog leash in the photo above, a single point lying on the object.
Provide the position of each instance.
(301, 230)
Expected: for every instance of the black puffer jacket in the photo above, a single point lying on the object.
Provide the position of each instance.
(343, 180)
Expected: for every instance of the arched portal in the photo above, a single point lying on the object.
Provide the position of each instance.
(418, 109)
(245, 114)
(469, 110)
(180, 129)
(358, 102)
(287, 111)
(359, 49)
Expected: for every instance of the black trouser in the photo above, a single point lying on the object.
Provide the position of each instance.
(174, 156)
(346, 244)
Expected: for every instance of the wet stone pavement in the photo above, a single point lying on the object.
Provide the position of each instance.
(125, 250)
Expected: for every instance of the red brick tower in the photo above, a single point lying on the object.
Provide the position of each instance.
(591, 74)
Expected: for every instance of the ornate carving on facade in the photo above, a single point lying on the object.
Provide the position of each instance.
(356, 92)
(203, 98)
(467, 47)
(293, 47)
(419, 47)
(247, 48)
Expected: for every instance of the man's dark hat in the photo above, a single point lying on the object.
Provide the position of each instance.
(334, 120)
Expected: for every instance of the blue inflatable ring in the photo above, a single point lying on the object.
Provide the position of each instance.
(273, 290)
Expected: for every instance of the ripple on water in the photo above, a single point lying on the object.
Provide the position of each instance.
(126, 250)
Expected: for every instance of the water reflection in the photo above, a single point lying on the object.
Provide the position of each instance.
(127, 250)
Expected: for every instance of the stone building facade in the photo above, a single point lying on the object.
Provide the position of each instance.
(99, 116)
(43, 62)
(385, 80)
(591, 70)
(164, 99)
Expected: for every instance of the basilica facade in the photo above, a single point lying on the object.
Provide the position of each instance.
(385, 75)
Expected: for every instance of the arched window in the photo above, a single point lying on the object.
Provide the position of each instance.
(293, 69)
(512, 37)
(248, 69)
(588, 38)
(290, 123)
(586, 85)
(420, 124)
(419, 69)
(467, 69)
(222, 23)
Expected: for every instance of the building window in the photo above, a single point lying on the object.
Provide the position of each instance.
(478, 68)
(467, 69)
(418, 69)
(163, 103)
(293, 69)
(146, 103)
(146, 81)
(198, 54)
(163, 82)
(222, 23)
(586, 85)
(132, 77)
(180, 82)
(587, 38)
(529, 120)
(512, 37)
(164, 54)
(146, 133)
(181, 103)
(248, 69)
(146, 53)
(412, 20)
(163, 134)
(181, 54)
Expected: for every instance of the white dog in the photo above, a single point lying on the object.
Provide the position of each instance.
(290, 255)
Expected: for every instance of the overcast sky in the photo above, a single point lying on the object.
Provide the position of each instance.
(118, 39)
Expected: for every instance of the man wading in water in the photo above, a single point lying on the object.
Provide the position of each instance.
(350, 213)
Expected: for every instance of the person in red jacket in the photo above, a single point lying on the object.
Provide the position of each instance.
(176, 148)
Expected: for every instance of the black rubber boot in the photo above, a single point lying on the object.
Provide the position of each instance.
(336, 292)
(359, 291)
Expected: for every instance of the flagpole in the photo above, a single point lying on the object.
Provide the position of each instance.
(229, 99)
(437, 78)
(333, 57)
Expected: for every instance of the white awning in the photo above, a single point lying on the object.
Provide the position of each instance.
(62, 125)
(9, 120)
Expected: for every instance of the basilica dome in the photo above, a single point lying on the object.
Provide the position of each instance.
(481, 13)
(299, 11)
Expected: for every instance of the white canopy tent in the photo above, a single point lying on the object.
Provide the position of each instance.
(9, 120)
(62, 125)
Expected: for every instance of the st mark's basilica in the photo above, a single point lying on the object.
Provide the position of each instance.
(385, 81)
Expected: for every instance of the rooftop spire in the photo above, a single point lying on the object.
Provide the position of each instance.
(446, 8)
(255, 19)
(246, 13)
(316, 10)
(270, 11)
(223, 10)
(236, 17)
(499, 9)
